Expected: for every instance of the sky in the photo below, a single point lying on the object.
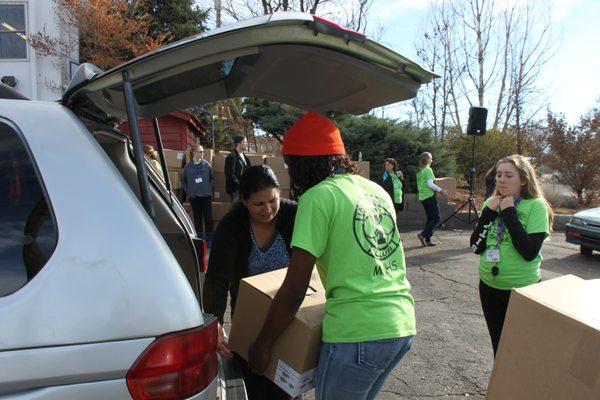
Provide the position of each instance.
(571, 80)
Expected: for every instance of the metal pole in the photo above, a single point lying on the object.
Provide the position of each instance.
(161, 153)
(137, 145)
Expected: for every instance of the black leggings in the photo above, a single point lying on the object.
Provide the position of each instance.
(202, 208)
(494, 303)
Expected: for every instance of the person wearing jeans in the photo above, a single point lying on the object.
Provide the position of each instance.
(346, 225)
(357, 370)
(427, 196)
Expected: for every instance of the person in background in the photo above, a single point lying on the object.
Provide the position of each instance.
(509, 235)
(153, 158)
(197, 182)
(252, 238)
(369, 318)
(427, 196)
(235, 165)
(392, 181)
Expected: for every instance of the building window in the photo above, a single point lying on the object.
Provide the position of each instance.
(13, 35)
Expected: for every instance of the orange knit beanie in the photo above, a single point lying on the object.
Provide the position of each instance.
(313, 135)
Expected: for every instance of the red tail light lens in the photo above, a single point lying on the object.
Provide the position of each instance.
(176, 366)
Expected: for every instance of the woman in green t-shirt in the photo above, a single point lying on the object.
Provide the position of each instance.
(392, 181)
(427, 191)
(509, 235)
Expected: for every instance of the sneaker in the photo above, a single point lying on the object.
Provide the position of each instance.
(422, 239)
(430, 244)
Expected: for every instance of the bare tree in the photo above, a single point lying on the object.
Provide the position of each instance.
(489, 53)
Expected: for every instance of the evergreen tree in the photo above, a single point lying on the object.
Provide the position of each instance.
(269, 116)
(177, 18)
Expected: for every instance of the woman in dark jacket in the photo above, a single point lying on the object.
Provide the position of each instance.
(392, 181)
(252, 238)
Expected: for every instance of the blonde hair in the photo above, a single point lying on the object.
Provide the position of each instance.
(532, 189)
(425, 160)
(150, 152)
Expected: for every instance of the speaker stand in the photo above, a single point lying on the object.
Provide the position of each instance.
(470, 200)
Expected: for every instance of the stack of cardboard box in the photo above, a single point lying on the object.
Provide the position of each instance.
(365, 168)
(280, 168)
(175, 160)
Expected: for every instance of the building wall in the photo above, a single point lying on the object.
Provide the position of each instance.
(41, 78)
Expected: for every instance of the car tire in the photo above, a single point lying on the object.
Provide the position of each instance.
(586, 251)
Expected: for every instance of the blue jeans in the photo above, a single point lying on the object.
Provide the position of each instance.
(357, 371)
(432, 210)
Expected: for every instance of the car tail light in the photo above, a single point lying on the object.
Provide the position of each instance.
(176, 366)
(324, 26)
(201, 252)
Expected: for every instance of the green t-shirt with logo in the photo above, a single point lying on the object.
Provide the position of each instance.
(423, 176)
(348, 223)
(514, 271)
(397, 188)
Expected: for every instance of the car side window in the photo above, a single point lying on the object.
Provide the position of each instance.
(28, 232)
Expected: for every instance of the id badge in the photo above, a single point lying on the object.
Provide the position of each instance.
(198, 180)
(493, 255)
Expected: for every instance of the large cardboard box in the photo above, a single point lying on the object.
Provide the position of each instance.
(219, 179)
(218, 163)
(285, 193)
(449, 184)
(284, 179)
(550, 345)
(209, 155)
(174, 158)
(219, 209)
(175, 178)
(365, 167)
(277, 164)
(256, 159)
(294, 355)
(219, 194)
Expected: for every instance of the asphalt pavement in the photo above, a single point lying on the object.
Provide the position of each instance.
(452, 355)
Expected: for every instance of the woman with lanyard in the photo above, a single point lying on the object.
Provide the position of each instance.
(346, 225)
(427, 196)
(509, 235)
(251, 239)
(391, 181)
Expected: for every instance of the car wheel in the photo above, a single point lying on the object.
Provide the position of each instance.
(587, 251)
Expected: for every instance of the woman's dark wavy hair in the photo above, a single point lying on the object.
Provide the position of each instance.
(256, 178)
(307, 171)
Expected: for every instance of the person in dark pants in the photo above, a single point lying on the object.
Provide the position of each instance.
(509, 235)
(235, 165)
(197, 182)
(392, 181)
(427, 196)
(252, 238)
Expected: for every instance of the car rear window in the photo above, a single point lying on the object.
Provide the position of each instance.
(28, 229)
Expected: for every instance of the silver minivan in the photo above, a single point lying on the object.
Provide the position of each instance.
(100, 267)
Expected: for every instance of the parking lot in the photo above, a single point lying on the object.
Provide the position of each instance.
(452, 356)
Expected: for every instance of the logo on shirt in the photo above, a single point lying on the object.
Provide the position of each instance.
(374, 227)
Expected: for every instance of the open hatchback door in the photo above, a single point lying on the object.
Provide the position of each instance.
(294, 58)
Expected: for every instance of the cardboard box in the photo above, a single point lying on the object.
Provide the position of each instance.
(220, 195)
(365, 167)
(550, 344)
(219, 179)
(285, 193)
(294, 355)
(284, 179)
(219, 209)
(256, 159)
(223, 153)
(175, 178)
(218, 163)
(448, 184)
(209, 155)
(276, 163)
(174, 158)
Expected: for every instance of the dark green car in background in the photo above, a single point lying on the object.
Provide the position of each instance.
(584, 229)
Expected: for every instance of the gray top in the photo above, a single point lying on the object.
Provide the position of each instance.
(197, 179)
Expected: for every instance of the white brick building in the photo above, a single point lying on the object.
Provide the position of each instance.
(39, 78)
